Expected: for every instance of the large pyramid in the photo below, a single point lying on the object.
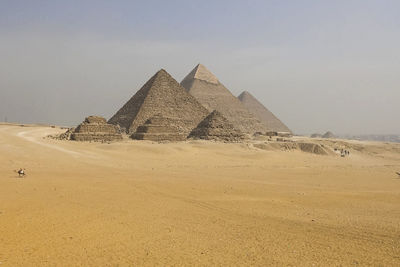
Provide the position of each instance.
(213, 95)
(162, 94)
(262, 113)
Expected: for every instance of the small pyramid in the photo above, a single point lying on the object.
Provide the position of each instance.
(158, 128)
(162, 94)
(216, 127)
(262, 113)
(213, 95)
(328, 134)
(95, 128)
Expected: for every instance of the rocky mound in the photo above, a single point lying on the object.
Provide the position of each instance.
(95, 128)
(158, 128)
(63, 136)
(216, 127)
(312, 148)
(317, 149)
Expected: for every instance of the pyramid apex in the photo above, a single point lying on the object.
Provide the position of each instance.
(162, 71)
(245, 94)
(200, 72)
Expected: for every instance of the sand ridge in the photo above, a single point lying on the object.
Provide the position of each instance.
(194, 203)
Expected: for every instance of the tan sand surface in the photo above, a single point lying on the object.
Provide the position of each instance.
(194, 203)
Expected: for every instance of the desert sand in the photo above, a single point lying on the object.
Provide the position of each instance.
(194, 203)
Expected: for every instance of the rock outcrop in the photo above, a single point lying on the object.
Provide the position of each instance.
(95, 128)
(216, 127)
(159, 128)
(162, 94)
(262, 113)
(213, 95)
(63, 136)
(313, 148)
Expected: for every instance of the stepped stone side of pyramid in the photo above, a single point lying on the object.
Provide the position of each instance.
(262, 113)
(162, 94)
(213, 95)
(158, 128)
(96, 129)
(216, 127)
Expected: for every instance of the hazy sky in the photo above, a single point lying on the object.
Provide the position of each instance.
(318, 65)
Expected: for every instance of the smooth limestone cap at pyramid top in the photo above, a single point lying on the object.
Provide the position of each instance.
(213, 95)
(262, 113)
(161, 94)
(202, 73)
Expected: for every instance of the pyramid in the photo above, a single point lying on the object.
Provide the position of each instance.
(213, 95)
(158, 128)
(262, 113)
(216, 127)
(162, 94)
(328, 135)
(95, 128)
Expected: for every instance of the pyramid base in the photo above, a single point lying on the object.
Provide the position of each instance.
(158, 137)
(96, 137)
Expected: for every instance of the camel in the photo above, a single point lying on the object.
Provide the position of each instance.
(21, 172)
(398, 173)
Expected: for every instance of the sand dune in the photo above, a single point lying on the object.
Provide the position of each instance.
(195, 203)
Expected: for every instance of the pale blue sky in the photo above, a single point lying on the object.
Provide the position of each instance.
(318, 65)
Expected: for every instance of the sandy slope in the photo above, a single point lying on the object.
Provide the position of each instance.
(195, 203)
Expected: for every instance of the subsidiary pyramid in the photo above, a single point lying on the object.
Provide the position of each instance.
(328, 135)
(162, 94)
(95, 128)
(262, 113)
(213, 95)
(216, 127)
(158, 128)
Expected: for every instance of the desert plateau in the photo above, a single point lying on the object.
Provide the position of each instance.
(199, 133)
(195, 203)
